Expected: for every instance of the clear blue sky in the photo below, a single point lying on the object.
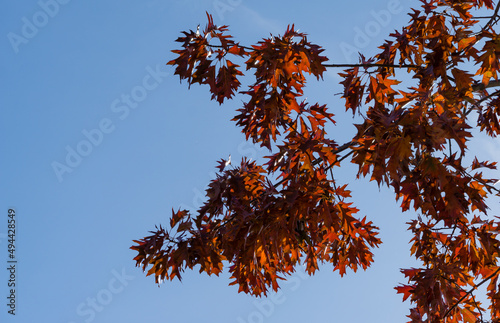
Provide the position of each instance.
(99, 141)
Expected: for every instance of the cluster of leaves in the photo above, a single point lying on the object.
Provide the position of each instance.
(413, 140)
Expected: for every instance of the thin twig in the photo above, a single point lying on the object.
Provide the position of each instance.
(470, 291)
(494, 17)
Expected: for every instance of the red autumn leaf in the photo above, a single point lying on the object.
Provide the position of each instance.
(406, 290)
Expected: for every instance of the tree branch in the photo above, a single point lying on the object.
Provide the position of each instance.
(494, 17)
(481, 86)
(476, 104)
(470, 292)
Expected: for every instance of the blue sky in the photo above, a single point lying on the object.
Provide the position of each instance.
(100, 141)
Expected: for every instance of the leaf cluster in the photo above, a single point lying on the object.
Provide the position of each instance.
(412, 139)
